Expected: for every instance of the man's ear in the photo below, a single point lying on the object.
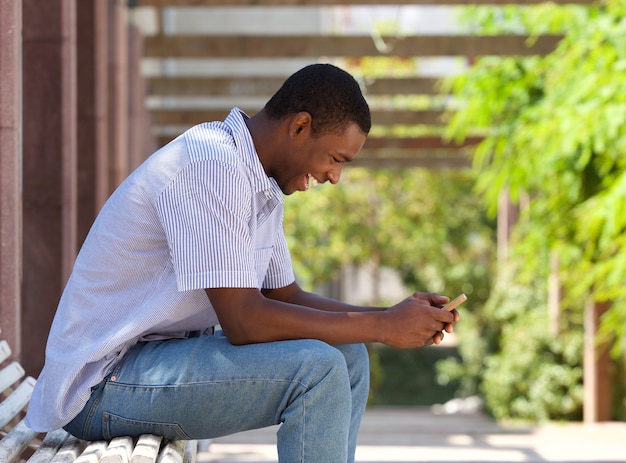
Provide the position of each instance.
(300, 123)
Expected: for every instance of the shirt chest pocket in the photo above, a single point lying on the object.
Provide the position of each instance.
(262, 258)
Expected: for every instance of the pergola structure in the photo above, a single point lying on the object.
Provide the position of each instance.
(74, 123)
(421, 151)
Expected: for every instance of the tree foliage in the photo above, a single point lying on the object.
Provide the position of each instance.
(555, 133)
(427, 225)
(422, 223)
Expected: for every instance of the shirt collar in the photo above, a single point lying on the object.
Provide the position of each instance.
(236, 121)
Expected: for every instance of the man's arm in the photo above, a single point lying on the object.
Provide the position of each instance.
(248, 316)
(293, 294)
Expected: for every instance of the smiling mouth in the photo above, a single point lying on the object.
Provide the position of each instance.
(311, 181)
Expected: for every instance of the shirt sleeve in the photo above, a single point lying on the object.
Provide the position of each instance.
(205, 213)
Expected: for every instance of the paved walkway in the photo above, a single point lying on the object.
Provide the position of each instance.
(396, 435)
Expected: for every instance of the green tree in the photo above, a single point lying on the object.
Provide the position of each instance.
(425, 224)
(555, 133)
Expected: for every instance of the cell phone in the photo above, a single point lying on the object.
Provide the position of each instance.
(453, 304)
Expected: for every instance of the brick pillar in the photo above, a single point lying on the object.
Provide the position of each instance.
(92, 89)
(10, 162)
(49, 173)
(139, 146)
(118, 92)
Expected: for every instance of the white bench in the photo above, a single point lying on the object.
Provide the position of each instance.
(21, 444)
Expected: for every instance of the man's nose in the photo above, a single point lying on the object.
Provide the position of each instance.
(335, 174)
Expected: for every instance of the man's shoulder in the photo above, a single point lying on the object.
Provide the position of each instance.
(211, 141)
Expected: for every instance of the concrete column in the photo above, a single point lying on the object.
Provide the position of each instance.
(92, 88)
(118, 92)
(597, 367)
(49, 176)
(10, 167)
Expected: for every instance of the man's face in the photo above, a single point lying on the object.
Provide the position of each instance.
(317, 159)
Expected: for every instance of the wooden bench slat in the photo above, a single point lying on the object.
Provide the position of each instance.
(70, 450)
(10, 375)
(16, 402)
(172, 452)
(191, 451)
(92, 452)
(118, 451)
(15, 442)
(5, 350)
(49, 446)
(146, 449)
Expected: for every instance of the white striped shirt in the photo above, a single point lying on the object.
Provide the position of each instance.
(199, 213)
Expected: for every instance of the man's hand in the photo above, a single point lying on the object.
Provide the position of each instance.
(248, 315)
(418, 321)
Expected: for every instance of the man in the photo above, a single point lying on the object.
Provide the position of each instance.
(193, 240)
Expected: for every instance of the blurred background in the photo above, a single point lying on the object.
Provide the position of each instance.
(496, 167)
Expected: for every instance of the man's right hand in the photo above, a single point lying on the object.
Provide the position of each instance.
(418, 321)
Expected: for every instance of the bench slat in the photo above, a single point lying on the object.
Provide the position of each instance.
(16, 402)
(92, 452)
(10, 375)
(172, 452)
(191, 451)
(70, 450)
(5, 350)
(49, 446)
(146, 449)
(15, 442)
(118, 451)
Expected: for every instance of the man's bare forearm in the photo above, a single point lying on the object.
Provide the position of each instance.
(294, 295)
(247, 316)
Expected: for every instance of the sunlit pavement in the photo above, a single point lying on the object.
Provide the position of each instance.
(395, 435)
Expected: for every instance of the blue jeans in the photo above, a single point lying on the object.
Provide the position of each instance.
(204, 387)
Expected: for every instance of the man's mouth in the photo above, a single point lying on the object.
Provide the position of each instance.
(310, 181)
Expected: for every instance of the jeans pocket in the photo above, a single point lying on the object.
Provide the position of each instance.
(115, 426)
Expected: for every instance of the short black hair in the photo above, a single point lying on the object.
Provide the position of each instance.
(329, 94)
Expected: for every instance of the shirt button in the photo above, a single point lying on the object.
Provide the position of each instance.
(268, 193)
